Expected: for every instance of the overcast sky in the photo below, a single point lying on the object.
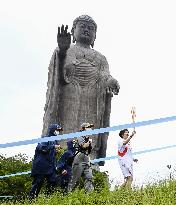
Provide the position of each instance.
(138, 39)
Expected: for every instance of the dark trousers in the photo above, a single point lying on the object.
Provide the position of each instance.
(63, 181)
(38, 182)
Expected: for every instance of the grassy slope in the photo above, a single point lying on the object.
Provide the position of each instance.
(162, 194)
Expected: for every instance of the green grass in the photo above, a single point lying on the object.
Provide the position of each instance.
(163, 193)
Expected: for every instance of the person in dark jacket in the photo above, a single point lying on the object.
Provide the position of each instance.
(64, 165)
(44, 163)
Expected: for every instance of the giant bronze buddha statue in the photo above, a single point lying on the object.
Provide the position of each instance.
(80, 86)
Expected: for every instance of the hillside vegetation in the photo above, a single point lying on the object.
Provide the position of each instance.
(163, 193)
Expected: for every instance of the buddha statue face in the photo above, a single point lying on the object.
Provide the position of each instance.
(84, 30)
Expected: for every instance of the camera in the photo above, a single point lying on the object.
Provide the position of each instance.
(86, 139)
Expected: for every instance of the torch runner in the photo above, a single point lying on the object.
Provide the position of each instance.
(133, 115)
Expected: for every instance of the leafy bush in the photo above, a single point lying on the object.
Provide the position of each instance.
(17, 185)
(101, 181)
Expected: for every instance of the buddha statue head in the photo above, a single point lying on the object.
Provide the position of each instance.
(84, 30)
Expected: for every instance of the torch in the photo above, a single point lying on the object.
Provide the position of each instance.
(133, 115)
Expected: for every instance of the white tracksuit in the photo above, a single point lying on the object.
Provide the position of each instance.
(125, 158)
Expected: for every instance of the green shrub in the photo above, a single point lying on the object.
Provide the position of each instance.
(17, 185)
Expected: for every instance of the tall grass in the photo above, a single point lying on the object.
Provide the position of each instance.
(163, 193)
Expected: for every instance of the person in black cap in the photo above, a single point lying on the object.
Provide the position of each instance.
(81, 164)
(44, 163)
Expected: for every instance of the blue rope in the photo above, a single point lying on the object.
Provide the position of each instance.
(90, 132)
(102, 159)
(6, 197)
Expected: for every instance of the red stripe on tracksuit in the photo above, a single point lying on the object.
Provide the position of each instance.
(121, 154)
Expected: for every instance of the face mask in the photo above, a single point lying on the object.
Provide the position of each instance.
(74, 143)
(56, 132)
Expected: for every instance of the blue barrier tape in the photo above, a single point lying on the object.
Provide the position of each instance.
(90, 132)
(6, 197)
(16, 174)
(135, 153)
(102, 159)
